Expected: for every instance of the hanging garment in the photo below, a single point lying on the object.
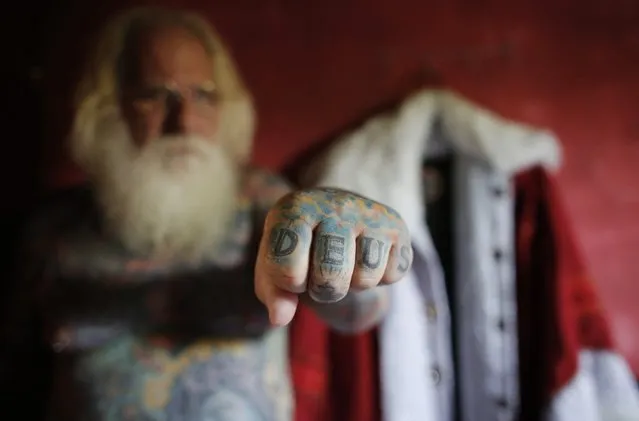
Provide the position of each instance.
(382, 159)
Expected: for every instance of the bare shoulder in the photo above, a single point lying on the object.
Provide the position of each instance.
(265, 187)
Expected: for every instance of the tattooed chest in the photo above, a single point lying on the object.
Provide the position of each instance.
(131, 379)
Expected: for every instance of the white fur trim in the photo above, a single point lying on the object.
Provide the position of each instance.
(507, 146)
(382, 159)
(603, 389)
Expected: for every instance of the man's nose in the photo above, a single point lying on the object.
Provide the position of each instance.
(177, 119)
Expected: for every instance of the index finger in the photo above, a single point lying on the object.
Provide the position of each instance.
(282, 265)
(284, 252)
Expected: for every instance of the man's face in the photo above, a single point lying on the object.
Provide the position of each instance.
(163, 174)
(168, 93)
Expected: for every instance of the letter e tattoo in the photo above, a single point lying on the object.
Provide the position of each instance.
(333, 250)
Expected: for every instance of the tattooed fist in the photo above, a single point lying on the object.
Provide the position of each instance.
(324, 243)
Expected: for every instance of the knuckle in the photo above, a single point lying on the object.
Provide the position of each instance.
(327, 292)
(288, 198)
(366, 280)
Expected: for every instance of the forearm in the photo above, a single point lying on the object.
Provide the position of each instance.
(357, 312)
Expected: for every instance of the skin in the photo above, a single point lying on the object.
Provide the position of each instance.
(325, 245)
(169, 90)
(142, 330)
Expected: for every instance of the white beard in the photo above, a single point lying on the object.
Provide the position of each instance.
(175, 197)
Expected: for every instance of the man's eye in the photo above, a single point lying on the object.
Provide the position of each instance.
(152, 94)
(206, 95)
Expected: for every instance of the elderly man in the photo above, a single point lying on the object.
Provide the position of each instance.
(163, 288)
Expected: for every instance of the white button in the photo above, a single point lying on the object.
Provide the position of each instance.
(436, 376)
(498, 191)
(501, 325)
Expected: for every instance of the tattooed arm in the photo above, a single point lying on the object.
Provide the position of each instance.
(349, 229)
(334, 250)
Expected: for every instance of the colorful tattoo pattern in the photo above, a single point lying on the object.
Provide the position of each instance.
(176, 341)
(328, 244)
(142, 379)
(165, 340)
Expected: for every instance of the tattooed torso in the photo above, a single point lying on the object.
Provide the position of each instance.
(137, 339)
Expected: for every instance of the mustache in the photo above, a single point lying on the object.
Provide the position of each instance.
(182, 145)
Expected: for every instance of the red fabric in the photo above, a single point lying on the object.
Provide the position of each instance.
(310, 366)
(559, 311)
(335, 377)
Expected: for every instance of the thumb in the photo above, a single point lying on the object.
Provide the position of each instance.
(281, 304)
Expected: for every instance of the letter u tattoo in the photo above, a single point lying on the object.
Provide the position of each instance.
(372, 251)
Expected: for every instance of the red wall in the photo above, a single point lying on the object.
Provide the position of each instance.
(316, 66)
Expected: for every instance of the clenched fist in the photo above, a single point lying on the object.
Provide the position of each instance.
(324, 243)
